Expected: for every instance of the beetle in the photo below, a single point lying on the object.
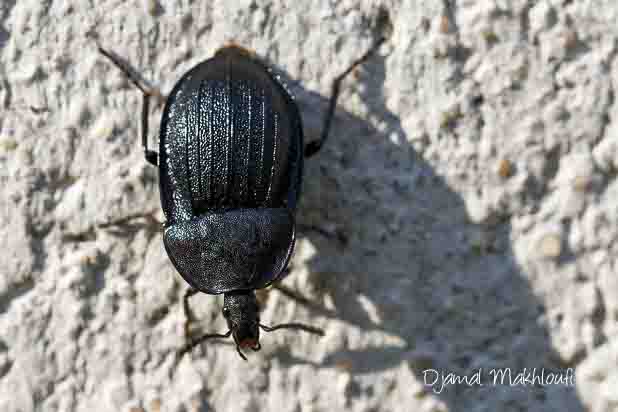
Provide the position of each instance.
(230, 166)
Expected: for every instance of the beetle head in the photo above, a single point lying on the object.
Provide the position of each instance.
(241, 311)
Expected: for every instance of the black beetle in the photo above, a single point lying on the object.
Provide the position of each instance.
(230, 171)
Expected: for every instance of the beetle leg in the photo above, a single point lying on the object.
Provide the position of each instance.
(192, 344)
(151, 156)
(292, 294)
(303, 300)
(147, 91)
(149, 217)
(314, 146)
(188, 313)
(151, 223)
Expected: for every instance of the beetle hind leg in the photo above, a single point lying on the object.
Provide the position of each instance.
(311, 304)
(189, 317)
(303, 300)
(292, 294)
(147, 91)
(314, 146)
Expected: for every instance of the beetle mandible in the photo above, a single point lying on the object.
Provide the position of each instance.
(230, 166)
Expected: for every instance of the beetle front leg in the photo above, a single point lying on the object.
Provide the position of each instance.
(148, 91)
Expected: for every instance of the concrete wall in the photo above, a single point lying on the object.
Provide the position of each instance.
(462, 216)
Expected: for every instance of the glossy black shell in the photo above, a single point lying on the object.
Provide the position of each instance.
(230, 169)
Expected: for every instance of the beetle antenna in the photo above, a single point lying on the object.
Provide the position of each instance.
(306, 328)
(188, 347)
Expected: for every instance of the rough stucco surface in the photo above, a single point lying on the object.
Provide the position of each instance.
(466, 208)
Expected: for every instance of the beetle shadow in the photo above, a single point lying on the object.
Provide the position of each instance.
(397, 256)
